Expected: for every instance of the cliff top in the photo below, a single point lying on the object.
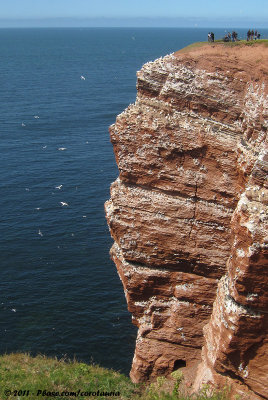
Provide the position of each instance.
(243, 58)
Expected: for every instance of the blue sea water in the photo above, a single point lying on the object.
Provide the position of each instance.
(59, 291)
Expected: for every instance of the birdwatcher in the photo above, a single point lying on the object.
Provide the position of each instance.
(234, 36)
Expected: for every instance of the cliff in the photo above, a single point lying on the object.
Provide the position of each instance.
(188, 215)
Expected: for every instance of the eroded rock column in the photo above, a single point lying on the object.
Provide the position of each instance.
(236, 347)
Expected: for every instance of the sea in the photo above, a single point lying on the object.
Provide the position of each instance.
(60, 89)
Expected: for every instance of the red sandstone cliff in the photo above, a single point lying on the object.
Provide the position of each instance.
(188, 215)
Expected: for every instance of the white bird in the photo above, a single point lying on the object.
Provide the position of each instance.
(44, 147)
(62, 148)
(58, 187)
(37, 208)
(82, 78)
(13, 309)
(22, 124)
(36, 116)
(63, 203)
(40, 233)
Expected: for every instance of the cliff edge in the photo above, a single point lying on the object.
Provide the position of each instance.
(188, 215)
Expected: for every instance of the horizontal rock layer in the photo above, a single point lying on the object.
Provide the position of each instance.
(189, 210)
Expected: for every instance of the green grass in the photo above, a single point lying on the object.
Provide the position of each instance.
(192, 46)
(22, 372)
(165, 389)
(41, 378)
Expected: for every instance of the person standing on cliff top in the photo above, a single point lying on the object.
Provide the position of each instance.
(234, 36)
(212, 36)
(248, 35)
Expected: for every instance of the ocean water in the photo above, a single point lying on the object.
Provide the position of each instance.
(59, 291)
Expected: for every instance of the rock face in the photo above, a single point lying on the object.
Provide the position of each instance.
(188, 215)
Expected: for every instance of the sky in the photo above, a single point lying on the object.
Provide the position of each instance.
(193, 13)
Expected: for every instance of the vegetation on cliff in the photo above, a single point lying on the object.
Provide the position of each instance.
(220, 42)
(26, 377)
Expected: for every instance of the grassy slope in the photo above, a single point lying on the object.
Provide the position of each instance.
(26, 373)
